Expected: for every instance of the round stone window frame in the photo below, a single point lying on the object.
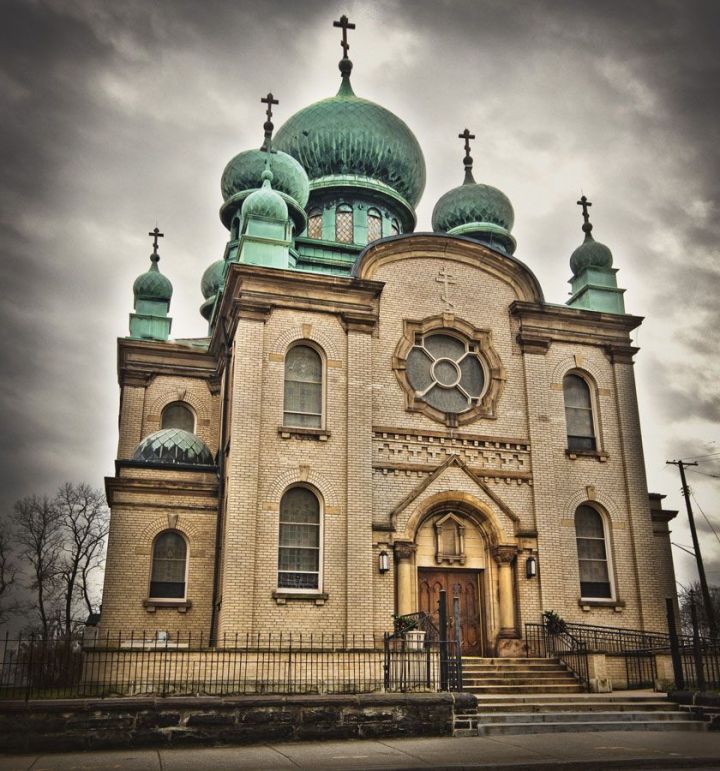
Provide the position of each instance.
(494, 370)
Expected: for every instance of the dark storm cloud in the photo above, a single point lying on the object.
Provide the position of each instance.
(117, 113)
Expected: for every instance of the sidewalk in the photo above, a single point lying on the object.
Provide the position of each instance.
(597, 750)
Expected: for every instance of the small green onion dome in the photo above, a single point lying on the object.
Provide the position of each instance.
(472, 203)
(244, 172)
(173, 446)
(212, 279)
(152, 285)
(265, 202)
(349, 136)
(590, 254)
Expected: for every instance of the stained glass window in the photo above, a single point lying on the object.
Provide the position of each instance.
(374, 225)
(592, 553)
(578, 414)
(303, 387)
(314, 229)
(178, 415)
(344, 224)
(446, 372)
(299, 547)
(168, 566)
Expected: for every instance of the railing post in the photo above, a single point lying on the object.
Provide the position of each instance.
(442, 617)
(674, 646)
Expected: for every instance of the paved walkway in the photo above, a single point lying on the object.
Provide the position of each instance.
(551, 752)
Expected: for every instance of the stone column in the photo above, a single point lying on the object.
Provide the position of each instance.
(504, 556)
(404, 551)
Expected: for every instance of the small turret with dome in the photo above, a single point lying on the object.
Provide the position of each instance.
(365, 166)
(594, 284)
(152, 292)
(475, 210)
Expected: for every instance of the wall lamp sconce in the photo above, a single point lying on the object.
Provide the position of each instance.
(531, 567)
(383, 562)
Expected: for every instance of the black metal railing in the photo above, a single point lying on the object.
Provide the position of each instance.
(162, 664)
(560, 644)
(608, 639)
(700, 662)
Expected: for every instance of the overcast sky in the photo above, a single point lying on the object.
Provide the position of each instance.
(118, 115)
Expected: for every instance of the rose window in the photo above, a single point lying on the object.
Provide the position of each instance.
(446, 372)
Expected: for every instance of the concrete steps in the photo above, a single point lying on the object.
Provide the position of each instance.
(529, 714)
(517, 676)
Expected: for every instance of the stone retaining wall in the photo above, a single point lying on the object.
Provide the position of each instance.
(90, 724)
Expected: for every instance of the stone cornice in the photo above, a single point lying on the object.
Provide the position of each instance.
(139, 361)
(168, 488)
(254, 292)
(542, 324)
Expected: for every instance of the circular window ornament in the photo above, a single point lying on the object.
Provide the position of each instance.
(449, 370)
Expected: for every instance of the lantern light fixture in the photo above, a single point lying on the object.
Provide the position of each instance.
(383, 562)
(531, 567)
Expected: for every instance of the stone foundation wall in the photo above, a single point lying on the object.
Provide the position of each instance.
(92, 724)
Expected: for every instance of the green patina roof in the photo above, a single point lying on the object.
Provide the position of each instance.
(212, 279)
(152, 285)
(173, 446)
(590, 254)
(347, 135)
(472, 202)
(265, 202)
(244, 172)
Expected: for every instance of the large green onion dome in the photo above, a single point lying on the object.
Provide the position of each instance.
(152, 285)
(173, 446)
(476, 210)
(349, 142)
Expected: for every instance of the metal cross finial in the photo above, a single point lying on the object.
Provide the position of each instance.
(268, 126)
(587, 227)
(155, 234)
(345, 25)
(467, 160)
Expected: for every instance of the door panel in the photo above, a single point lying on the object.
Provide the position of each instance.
(463, 584)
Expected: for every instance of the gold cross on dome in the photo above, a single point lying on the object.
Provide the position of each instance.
(447, 280)
(345, 25)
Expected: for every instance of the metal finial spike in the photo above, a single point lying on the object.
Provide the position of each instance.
(587, 226)
(155, 234)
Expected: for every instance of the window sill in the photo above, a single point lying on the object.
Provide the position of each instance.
(182, 606)
(299, 432)
(281, 597)
(597, 454)
(588, 604)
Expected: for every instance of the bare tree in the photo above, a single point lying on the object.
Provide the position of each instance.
(8, 571)
(685, 600)
(38, 542)
(83, 518)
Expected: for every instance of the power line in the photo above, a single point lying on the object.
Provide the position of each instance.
(699, 457)
(710, 524)
(704, 473)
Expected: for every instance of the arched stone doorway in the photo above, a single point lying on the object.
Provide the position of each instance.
(455, 548)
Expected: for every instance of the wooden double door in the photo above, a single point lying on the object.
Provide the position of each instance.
(464, 584)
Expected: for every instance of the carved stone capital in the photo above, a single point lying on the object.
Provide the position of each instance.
(404, 550)
(504, 554)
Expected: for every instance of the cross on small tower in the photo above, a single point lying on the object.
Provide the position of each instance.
(155, 234)
(268, 126)
(587, 227)
(467, 136)
(345, 25)
(467, 160)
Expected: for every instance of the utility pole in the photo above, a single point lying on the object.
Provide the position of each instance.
(709, 611)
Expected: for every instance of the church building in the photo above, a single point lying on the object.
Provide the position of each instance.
(378, 413)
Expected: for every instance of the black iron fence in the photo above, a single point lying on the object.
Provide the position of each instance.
(164, 664)
(544, 642)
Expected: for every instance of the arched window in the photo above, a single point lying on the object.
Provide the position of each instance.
(395, 228)
(299, 540)
(578, 414)
(344, 231)
(374, 225)
(178, 415)
(303, 387)
(169, 561)
(592, 553)
(314, 229)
